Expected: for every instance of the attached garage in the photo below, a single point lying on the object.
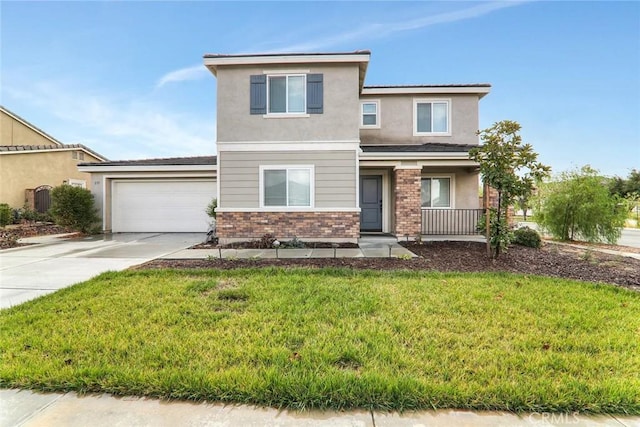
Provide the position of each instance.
(161, 205)
(154, 195)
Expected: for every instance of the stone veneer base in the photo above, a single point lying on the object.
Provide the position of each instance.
(310, 226)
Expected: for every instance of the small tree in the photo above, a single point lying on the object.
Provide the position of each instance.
(511, 168)
(579, 206)
(73, 207)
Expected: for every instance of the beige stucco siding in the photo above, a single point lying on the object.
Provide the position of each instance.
(22, 171)
(12, 132)
(335, 176)
(466, 185)
(338, 122)
(396, 120)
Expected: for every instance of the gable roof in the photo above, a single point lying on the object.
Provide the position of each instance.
(30, 126)
(15, 149)
(213, 60)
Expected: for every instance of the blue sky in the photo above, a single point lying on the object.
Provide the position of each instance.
(126, 78)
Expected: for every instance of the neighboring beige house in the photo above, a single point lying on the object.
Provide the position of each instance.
(32, 162)
(306, 149)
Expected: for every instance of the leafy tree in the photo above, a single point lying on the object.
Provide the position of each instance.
(578, 206)
(626, 187)
(73, 207)
(511, 168)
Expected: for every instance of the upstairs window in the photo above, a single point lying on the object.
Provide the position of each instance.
(286, 94)
(370, 117)
(431, 117)
(286, 186)
(436, 192)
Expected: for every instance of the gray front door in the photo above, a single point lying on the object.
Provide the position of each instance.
(371, 203)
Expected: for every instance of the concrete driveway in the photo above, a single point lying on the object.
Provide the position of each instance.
(53, 263)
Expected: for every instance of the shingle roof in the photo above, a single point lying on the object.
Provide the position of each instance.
(169, 161)
(414, 148)
(16, 148)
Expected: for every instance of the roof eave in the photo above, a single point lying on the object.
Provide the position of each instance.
(481, 91)
(100, 168)
(413, 155)
(212, 62)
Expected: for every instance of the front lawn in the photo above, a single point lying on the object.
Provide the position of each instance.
(334, 339)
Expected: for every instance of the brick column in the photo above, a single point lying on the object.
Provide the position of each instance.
(408, 213)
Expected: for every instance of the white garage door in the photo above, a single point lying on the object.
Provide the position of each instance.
(161, 206)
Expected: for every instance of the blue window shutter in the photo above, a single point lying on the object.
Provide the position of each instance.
(314, 94)
(258, 94)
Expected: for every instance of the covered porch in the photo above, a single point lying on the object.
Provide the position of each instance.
(428, 190)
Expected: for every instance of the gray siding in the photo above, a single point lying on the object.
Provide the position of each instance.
(335, 176)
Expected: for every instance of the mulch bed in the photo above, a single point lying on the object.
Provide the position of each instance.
(9, 236)
(551, 260)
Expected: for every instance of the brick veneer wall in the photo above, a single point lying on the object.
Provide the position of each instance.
(493, 202)
(285, 225)
(408, 212)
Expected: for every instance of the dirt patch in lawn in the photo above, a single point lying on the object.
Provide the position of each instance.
(551, 260)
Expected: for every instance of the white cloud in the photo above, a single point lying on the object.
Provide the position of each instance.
(385, 29)
(195, 72)
(118, 128)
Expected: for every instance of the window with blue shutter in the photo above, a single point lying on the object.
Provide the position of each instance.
(314, 94)
(286, 94)
(258, 91)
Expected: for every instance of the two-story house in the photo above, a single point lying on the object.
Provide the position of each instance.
(306, 149)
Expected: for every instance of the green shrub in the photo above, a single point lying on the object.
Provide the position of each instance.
(32, 215)
(526, 236)
(578, 206)
(295, 243)
(211, 208)
(73, 207)
(6, 215)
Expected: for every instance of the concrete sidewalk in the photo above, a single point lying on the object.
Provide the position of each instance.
(369, 247)
(28, 409)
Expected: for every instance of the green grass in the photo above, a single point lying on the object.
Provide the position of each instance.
(334, 339)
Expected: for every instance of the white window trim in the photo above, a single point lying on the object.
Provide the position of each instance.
(370, 101)
(417, 101)
(310, 168)
(452, 190)
(77, 182)
(287, 113)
